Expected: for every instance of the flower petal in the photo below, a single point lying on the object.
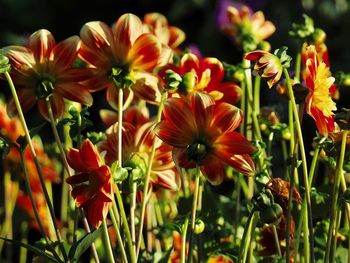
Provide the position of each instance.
(231, 143)
(180, 156)
(78, 178)
(108, 117)
(226, 117)
(20, 57)
(145, 52)
(75, 161)
(216, 68)
(126, 30)
(65, 52)
(214, 170)
(75, 92)
(75, 74)
(188, 62)
(177, 36)
(202, 105)
(81, 194)
(242, 163)
(57, 104)
(147, 87)
(27, 100)
(96, 211)
(90, 155)
(41, 43)
(171, 135)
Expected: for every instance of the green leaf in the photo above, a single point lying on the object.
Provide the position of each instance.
(83, 244)
(119, 174)
(33, 249)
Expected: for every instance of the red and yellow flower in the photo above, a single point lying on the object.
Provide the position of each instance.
(267, 65)
(247, 29)
(122, 55)
(202, 134)
(92, 183)
(137, 145)
(204, 75)
(319, 103)
(44, 68)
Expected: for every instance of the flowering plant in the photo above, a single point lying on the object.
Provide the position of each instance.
(144, 151)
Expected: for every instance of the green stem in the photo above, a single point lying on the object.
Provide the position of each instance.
(37, 164)
(107, 243)
(193, 213)
(297, 67)
(23, 251)
(119, 237)
(277, 241)
(257, 81)
(243, 249)
(148, 176)
(183, 241)
(308, 213)
(335, 194)
(132, 214)
(120, 126)
(125, 223)
(35, 210)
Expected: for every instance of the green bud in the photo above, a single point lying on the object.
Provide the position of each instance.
(4, 64)
(199, 227)
(272, 214)
(119, 174)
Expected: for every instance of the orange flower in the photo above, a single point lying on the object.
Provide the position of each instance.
(204, 75)
(267, 65)
(319, 103)
(43, 69)
(219, 259)
(92, 188)
(137, 145)
(202, 134)
(122, 55)
(247, 29)
(157, 24)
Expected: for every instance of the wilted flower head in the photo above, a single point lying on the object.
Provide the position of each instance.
(44, 69)
(202, 134)
(92, 183)
(121, 56)
(203, 75)
(248, 30)
(319, 103)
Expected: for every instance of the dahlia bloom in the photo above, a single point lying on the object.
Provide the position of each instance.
(121, 55)
(267, 65)
(247, 29)
(319, 103)
(204, 75)
(44, 69)
(157, 24)
(92, 183)
(202, 134)
(137, 145)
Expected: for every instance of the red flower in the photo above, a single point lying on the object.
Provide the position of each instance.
(319, 103)
(92, 183)
(43, 69)
(267, 65)
(124, 52)
(205, 75)
(202, 134)
(137, 145)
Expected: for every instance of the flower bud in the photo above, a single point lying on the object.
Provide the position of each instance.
(272, 214)
(199, 227)
(4, 64)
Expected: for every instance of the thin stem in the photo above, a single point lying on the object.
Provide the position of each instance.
(256, 97)
(37, 165)
(308, 213)
(125, 223)
(183, 241)
(120, 125)
(193, 213)
(132, 215)
(297, 67)
(277, 241)
(148, 176)
(88, 230)
(335, 193)
(35, 210)
(243, 249)
(108, 247)
(119, 237)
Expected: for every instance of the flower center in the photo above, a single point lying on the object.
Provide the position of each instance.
(121, 76)
(198, 151)
(44, 88)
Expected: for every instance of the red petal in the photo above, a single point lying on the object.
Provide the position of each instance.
(145, 52)
(75, 92)
(180, 157)
(226, 117)
(78, 178)
(255, 55)
(202, 105)
(126, 30)
(65, 52)
(213, 170)
(75, 161)
(108, 117)
(20, 56)
(90, 155)
(96, 211)
(75, 75)
(147, 87)
(171, 135)
(27, 99)
(242, 163)
(41, 43)
(231, 143)
(232, 92)
(97, 35)
(101, 59)
(177, 36)
(188, 62)
(81, 194)
(216, 69)
(57, 104)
